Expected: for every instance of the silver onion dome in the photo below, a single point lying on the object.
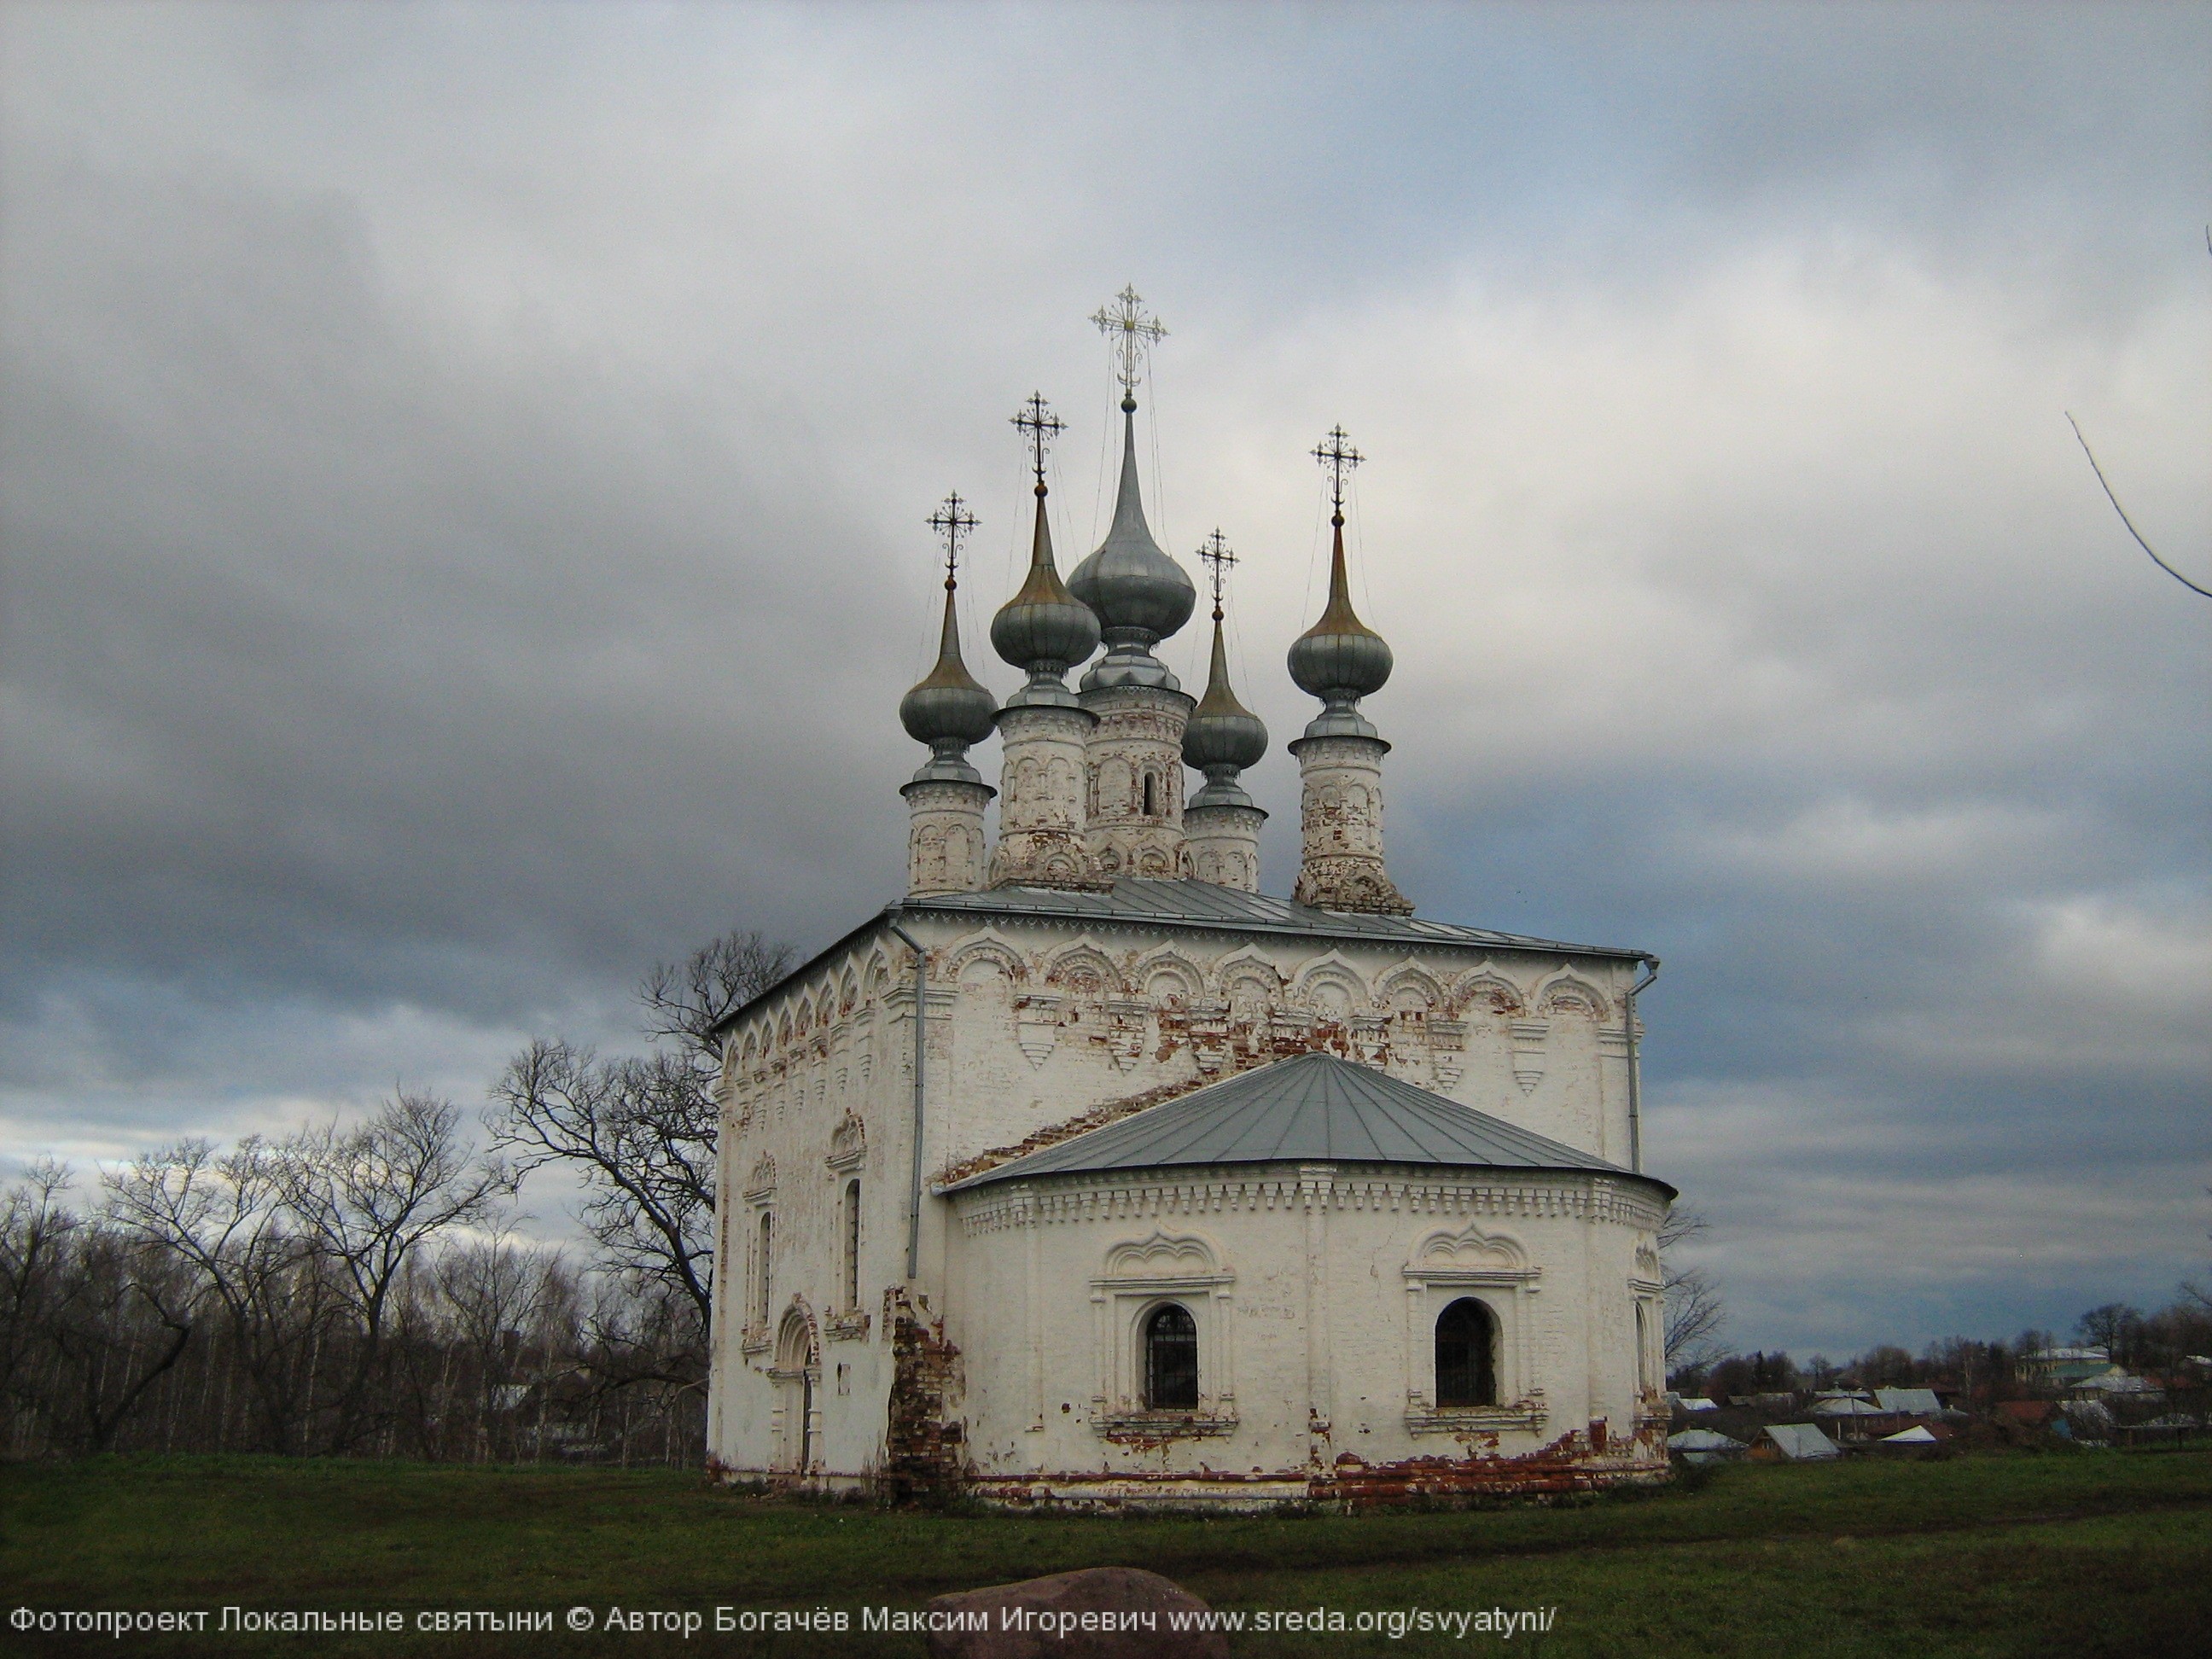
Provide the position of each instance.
(948, 710)
(1223, 737)
(1043, 629)
(1339, 658)
(1139, 594)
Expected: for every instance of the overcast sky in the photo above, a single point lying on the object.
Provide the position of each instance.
(463, 472)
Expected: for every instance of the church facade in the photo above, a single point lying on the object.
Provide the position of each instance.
(1089, 1174)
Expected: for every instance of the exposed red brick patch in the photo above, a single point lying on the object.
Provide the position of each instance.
(922, 1440)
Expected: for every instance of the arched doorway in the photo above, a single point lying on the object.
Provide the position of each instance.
(797, 1371)
(1466, 1355)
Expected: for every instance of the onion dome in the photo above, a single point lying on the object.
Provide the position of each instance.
(1043, 629)
(1138, 594)
(1223, 737)
(1339, 658)
(949, 710)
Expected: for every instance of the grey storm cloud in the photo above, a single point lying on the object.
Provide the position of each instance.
(463, 472)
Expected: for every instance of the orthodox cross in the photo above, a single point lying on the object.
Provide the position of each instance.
(1036, 421)
(1215, 554)
(1336, 453)
(1129, 332)
(952, 520)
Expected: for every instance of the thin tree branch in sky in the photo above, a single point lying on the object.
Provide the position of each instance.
(2123, 512)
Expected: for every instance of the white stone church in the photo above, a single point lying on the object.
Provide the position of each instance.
(1089, 1173)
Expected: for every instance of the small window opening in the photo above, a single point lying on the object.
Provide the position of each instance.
(761, 1289)
(1171, 1360)
(852, 1245)
(1148, 808)
(1467, 1342)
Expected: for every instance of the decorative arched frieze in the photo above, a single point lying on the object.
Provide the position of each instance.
(1332, 969)
(876, 973)
(1084, 965)
(1410, 981)
(1483, 989)
(849, 1143)
(1332, 989)
(1164, 1256)
(1248, 965)
(990, 947)
(1647, 1262)
(761, 1184)
(1470, 1251)
(1167, 974)
(1568, 993)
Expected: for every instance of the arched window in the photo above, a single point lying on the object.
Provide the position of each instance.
(1467, 1350)
(1171, 1360)
(1148, 808)
(852, 1245)
(761, 1287)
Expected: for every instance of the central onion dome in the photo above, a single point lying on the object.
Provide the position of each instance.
(1138, 594)
(1043, 630)
(1339, 658)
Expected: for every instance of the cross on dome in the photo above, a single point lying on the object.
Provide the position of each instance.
(1215, 554)
(1131, 333)
(1337, 457)
(952, 520)
(1036, 421)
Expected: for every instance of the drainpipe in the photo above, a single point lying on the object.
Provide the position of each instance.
(1635, 1089)
(920, 1005)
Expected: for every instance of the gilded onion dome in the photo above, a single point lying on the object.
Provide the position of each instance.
(1138, 594)
(1223, 737)
(1339, 658)
(949, 705)
(1043, 629)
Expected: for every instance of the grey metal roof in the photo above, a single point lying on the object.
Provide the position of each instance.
(1313, 1108)
(1187, 904)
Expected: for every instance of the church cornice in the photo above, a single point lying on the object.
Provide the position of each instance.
(1068, 1200)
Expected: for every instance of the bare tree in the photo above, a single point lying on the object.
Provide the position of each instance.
(498, 1291)
(223, 1216)
(685, 1001)
(35, 1227)
(1695, 1316)
(76, 1354)
(108, 1354)
(365, 1199)
(2112, 1327)
(642, 1133)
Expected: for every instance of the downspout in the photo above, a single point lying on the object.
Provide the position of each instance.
(1635, 1081)
(920, 1005)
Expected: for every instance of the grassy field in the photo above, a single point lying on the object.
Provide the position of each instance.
(2073, 1554)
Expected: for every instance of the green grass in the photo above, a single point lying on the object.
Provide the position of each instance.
(2077, 1554)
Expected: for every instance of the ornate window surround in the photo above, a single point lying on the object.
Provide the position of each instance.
(1141, 1276)
(1495, 1271)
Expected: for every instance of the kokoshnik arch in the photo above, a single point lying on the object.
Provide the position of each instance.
(1089, 1173)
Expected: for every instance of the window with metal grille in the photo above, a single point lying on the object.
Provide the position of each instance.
(1466, 1344)
(1171, 1360)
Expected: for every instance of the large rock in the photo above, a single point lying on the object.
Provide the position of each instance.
(1047, 1619)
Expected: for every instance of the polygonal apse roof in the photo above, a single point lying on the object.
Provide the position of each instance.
(1315, 1109)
